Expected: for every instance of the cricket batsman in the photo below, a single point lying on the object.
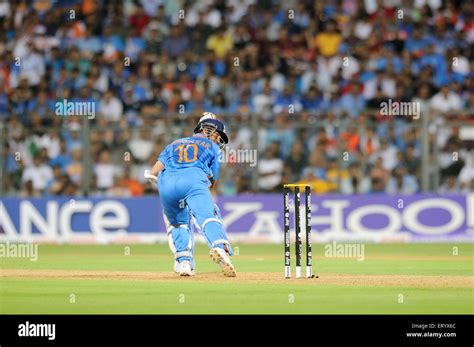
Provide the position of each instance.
(187, 170)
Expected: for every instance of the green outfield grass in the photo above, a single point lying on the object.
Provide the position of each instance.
(417, 268)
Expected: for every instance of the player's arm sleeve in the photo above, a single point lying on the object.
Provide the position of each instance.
(164, 155)
(161, 161)
(215, 164)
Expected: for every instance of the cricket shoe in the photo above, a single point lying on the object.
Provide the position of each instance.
(220, 256)
(185, 268)
(176, 267)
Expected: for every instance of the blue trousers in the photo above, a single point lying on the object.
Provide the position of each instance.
(184, 193)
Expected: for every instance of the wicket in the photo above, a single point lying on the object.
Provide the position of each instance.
(298, 241)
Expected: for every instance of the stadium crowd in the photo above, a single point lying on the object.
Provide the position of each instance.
(307, 77)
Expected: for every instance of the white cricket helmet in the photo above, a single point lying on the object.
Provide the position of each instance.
(207, 115)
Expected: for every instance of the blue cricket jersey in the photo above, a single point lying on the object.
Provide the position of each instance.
(196, 151)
